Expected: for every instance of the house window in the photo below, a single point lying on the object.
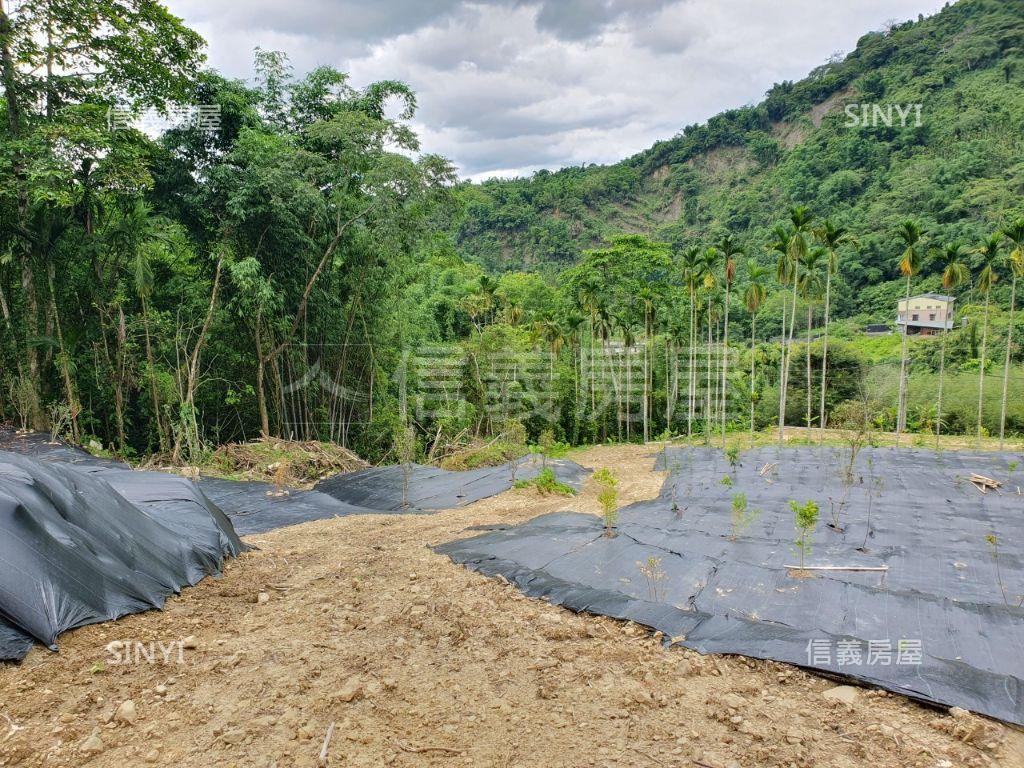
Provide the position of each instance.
(914, 316)
(931, 316)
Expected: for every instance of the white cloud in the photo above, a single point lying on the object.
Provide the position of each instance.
(509, 86)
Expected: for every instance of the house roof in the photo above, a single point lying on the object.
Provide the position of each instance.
(933, 296)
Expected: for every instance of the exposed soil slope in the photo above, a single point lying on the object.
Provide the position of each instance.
(418, 662)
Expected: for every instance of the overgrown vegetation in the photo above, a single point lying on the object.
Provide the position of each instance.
(546, 483)
(302, 271)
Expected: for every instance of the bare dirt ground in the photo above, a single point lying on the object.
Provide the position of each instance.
(417, 661)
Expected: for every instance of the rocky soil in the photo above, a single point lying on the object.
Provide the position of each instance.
(355, 622)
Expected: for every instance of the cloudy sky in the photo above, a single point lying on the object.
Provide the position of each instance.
(510, 86)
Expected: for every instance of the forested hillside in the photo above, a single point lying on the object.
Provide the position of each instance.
(300, 268)
(959, 173)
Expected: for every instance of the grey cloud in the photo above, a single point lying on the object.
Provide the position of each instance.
(510, 86)
(582, 19)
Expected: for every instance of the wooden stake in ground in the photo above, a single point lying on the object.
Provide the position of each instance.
(838, 567)
(322, 760)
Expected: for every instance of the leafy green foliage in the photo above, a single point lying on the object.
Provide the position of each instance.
(547, 484)
(607, 495)
(741, 515)
(805, 517)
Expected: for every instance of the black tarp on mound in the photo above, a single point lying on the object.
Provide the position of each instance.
(935, 628)
(256, 507)
(431, 488)
(79, 547)
(41, 446)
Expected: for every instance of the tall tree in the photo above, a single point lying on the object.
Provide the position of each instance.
(785, 273)
(909, 264)
(1014, 233)
(709, 262)
(810, 292)
(832, 238)
(691, 276)
(753, 298)
(955, 272)
(63, 65)
(989, 256)
(730, 249)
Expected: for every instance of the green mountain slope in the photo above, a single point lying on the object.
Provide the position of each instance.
(959, 172)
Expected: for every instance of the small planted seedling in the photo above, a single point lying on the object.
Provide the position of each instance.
(732, 455)
(405, 447)
(280, 470)
(61, 419)
(726, 481)
(742, 515)
(654, 576)
(514, 434)
(993, 543)
(806, 518)
(607, 496)
(874, 488)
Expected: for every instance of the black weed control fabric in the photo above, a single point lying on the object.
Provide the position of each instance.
(431, 488)
(80, 545)
(935, 627)
(255, 507)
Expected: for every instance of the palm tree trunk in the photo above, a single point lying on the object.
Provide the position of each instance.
(593, 386)
(901, 407)
(753, 337)
(707, 393)
(725, 360)
(981, 368)
(788, 359)
(629, 392)
(689, 371)
(668, 379)
(647, 365)
(809, 384)
(1006, 362)
(782, 374)
(824, 355)
(942, 378)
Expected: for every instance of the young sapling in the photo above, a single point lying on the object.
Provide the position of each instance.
(405, 447)
(732, 455)
(742, 515)
(607, 496)
(514, 434)
(654, 576)
(806, 518)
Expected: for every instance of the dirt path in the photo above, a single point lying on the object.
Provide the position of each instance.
(419, 662)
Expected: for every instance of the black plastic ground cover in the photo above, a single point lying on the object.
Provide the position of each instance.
(80, 545)
(431, 488)
(936, 627)
(41, 445)
(256, 507)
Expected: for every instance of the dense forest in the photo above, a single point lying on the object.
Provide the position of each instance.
(301, 269)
